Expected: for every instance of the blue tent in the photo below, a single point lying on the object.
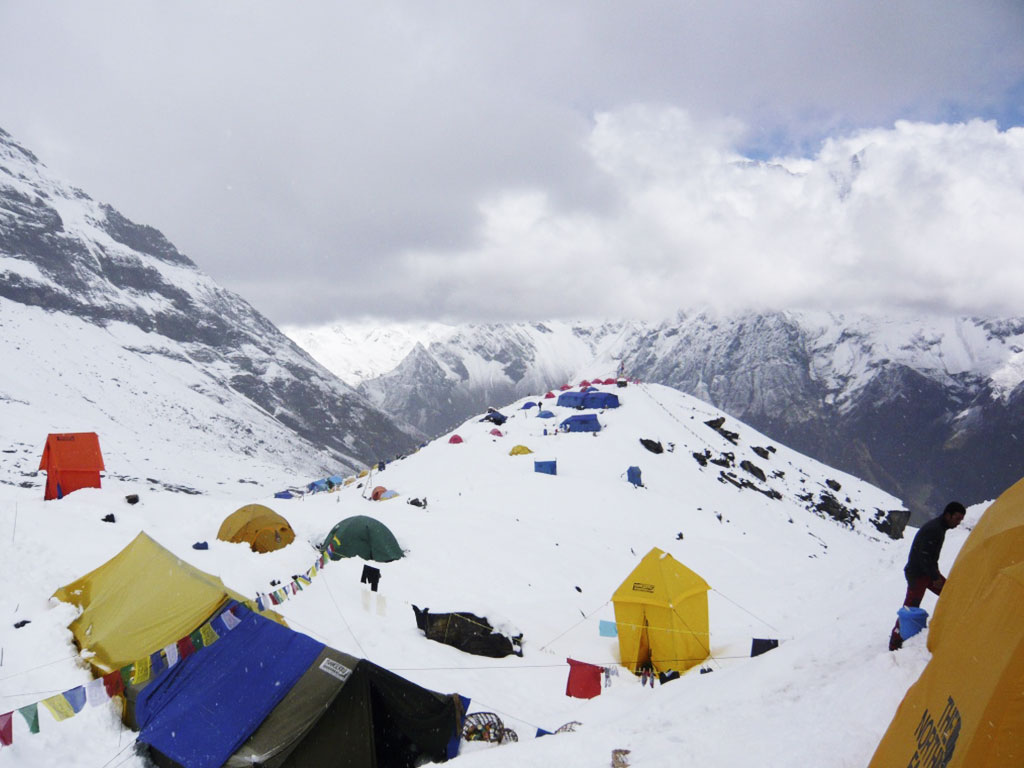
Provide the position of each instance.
(495, 418)
(570, 399)
(234, 683)
(581, 422)
(264, 690)
(545, 467)
(284, 495)
(527, 405)
(600, 400)
(589, 389)
(334, 480)
(545, 415)
(633, 475)
(317, 485)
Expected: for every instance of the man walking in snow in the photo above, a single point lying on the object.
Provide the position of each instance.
(922, 569)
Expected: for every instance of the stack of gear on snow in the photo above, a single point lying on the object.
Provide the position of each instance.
(467, 632)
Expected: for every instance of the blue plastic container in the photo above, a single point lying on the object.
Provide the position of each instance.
(912, 621)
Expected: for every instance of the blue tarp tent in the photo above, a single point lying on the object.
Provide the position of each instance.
(570, 399)
(600, 400)
(633, 475)
(545, 467)
(581, 422)
(317, 485)
(545, 415)
(234, 684)
(284, 495)
(334, 481)
(495, 418)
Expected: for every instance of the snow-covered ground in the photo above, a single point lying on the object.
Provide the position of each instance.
(536, 554)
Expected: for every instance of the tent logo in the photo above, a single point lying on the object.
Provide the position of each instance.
(335, 669)
(937, 740)
(639, 586)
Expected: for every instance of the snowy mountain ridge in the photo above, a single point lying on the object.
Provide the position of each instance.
(926, 407)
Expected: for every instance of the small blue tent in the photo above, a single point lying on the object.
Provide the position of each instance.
(570, 399)
(335, 480)
(600, 400)
(545, 467)
(284, 495)
(317, 485)
(545, 415)
(581, 422)
(633, 475)
(528, 405)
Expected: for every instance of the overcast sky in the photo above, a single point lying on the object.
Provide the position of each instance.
(477, 160)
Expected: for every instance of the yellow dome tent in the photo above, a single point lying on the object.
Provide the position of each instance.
(967, 710)
(661, 611)
(262, 527)
(519, 450)
(140, 601)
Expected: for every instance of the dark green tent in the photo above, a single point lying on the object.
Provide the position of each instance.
(362, 536)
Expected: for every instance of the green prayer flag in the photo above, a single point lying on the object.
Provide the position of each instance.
(31, 715)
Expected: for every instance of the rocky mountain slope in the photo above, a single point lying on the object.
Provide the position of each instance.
(79, 280)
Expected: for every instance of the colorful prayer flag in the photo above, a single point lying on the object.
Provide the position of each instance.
(156, 663)
(208, 634)
(114, 683)
(59, 707)
(141, 673)
(6, 729)
(185, 647)
(608, 628)
(76, 698)
(197, 640)
(126, 675)
(171, 652)
(96, 692)
(31, 714)
(230, 620)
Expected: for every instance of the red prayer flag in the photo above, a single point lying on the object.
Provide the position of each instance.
(113, 683)
(6, 729)
(185, 647)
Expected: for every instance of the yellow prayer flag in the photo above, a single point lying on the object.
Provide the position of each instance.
(59, 707)
(209, 635)
(142, 670)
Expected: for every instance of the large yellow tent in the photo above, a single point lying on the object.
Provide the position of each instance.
(141, 600)
(262, 527)
(967, 708)
(661, 611)
(996, 542)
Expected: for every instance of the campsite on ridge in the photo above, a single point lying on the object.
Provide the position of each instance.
(538, 557)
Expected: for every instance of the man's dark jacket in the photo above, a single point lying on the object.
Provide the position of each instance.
(924, 552)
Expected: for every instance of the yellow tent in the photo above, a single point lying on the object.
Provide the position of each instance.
(661, 610)
(996, 542)
(519, 450)
(141, 600)
(262, 527)
(967, 708)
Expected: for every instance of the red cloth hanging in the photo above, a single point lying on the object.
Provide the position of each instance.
(584, 680)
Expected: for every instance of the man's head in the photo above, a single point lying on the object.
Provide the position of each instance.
(954, 514)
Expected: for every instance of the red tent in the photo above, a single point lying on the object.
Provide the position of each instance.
(609, 381)
(564, 387)
(71, 461)
(549, 395)
(584, 680)
(496, 432)
(584, 383)
(454, 439)
(377, 492)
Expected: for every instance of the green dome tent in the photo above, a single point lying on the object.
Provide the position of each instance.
(362, 536)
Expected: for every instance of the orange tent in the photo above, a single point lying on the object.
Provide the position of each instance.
(71, 461)
(377, 492)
